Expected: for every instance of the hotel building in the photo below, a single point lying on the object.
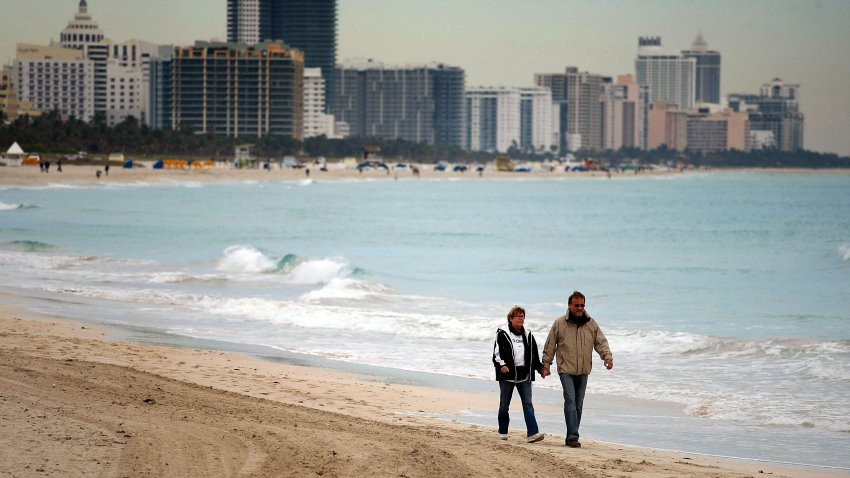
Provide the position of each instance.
(669, 76)
(707, 78)
(493, 119)
(775, 110)
(421, 103)
(306, 25)
(229, 89)
(55, 78)
(536, 134)
(576, 104)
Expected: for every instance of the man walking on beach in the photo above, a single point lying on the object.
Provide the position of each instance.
(571, 341)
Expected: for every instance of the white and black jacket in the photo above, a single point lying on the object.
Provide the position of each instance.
(503, 354)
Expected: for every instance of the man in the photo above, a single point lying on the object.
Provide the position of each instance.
(572, 339)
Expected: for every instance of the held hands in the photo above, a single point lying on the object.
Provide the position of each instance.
(544, 372)
(505, 369)
(609, 364)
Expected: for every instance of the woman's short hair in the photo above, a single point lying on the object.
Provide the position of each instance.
(515, 310)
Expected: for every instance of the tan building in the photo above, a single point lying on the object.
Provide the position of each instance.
(10, 105)
(667, 126)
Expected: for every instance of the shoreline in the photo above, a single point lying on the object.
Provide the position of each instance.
(85, 175)
(54, 370)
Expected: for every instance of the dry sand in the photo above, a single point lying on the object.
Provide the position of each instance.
(76, 402)
(86, 174)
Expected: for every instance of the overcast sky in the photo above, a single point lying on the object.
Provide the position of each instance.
(505, 42)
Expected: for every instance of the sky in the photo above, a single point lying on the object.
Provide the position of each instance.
(505, 42)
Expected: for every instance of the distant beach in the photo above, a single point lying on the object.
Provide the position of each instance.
(144, 173)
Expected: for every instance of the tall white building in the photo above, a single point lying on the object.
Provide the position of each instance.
(493, 118)
(247, 21)
(536, 120)
(313, 107)
(670, 76)
(128, 80)
(55, 78)
(120, 70)
(83, 33)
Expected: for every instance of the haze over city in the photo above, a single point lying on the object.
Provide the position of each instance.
(504, 43)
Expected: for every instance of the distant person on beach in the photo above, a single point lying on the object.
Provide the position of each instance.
(97, 174)
(572, 340)
(106, 169)
(516, 358)
(59, 166)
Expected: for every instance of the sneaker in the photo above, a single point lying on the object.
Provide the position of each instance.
(573, 443)
(503, 436)
(535, 438)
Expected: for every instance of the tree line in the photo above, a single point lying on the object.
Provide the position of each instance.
(51, 134)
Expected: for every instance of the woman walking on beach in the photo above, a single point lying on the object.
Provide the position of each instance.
(515, 358)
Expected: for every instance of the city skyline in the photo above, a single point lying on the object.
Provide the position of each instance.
(503, 43)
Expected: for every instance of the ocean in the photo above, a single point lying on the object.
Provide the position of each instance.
(725, 297)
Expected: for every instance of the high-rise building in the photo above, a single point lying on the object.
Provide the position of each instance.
(55, 79)
(316, 121)
(306, 25)
(246, 19)
(707, 71)
(670, 76)
(535, 123)
(128, 80)
(120, 69)
(576, 102)
(493, 119)
(624, 114)
(421, 103)
(775, 110)
(229, 89)
(83, 33)
(161, 92)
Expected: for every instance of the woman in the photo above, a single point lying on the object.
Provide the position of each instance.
(515, 358)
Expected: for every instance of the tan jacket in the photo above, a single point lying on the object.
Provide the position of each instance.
(573, 346)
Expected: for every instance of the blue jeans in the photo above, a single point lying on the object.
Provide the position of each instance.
(574, 387)
(507, 391)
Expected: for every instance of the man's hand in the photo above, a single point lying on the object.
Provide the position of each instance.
(609, 364)
(544, 372)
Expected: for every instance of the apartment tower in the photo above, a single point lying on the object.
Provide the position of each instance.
(306, 25)
(670, 76)
(707, 81)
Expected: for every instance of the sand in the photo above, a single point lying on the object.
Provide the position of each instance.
(76, 401)
(86, 174)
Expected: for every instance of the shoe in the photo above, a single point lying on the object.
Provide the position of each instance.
(573, 443)
(503, 436)
(535, 438)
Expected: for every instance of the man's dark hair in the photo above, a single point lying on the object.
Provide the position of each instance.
(574, 295)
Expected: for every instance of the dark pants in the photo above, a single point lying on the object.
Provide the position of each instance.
(507, 391)
(574, 387)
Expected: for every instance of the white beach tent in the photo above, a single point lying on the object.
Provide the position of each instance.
(13, 155)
